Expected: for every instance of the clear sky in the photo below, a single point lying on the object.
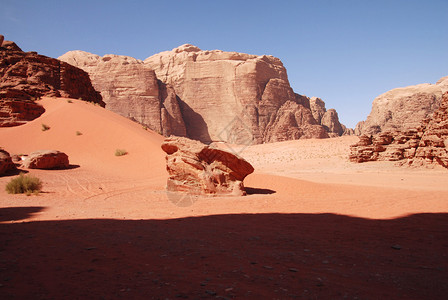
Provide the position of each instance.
(346, 52)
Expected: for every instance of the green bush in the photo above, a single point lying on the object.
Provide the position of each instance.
(120, 152)
(45, 127)
(24, 184)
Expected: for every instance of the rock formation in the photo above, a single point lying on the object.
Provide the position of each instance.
(234, 97)
(130, 88)
(402, 109)
(205, 95)
(6, 163)
(46, 159)
(427, 143)
(196, 168)
(27, 76)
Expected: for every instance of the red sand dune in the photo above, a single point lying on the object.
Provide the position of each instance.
(107, 228)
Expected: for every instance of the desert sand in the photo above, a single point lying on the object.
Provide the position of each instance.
(313, 224)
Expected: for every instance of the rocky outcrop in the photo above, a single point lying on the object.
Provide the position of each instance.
(402, 109)
(130, 88)
(433, 146)
(46, 159)
(6, 163)
(27, 76)
(233, 97)
(205, 95)
(196, 168)
(425, 144)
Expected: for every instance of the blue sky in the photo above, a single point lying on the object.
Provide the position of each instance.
(346, 52)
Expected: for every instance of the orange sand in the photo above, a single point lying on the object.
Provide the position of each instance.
(304, 194)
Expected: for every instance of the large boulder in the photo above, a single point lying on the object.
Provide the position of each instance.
(27, 76)
(6, 163)
(130, 88)
(403, 109)
(46, 159)
(196, 168)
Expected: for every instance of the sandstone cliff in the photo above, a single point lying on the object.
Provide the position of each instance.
(26, 76)
(427, 143)
(206, 95)
(235, 97)
(403, 108)
(130, 88)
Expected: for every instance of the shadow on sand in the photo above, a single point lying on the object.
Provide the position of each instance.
(245, 256)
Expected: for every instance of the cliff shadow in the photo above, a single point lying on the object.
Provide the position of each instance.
(195, 124)
(247, 256)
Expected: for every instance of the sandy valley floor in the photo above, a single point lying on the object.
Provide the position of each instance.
(313, 224)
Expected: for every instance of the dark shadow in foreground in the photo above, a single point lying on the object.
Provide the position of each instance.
(246, 256)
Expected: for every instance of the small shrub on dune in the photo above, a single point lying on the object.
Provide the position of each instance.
(24, 184)
(78, 133)
(69, 101)
(45, 127)
(120, 152)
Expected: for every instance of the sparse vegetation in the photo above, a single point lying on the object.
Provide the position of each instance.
(78, 133)
(24, 184)
(45, 127)
(69, 101)
(120, 152)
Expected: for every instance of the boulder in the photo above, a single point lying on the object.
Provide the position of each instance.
(402, 109)
(46, 159)
(27, 76)
(196, 168)
(6, 163)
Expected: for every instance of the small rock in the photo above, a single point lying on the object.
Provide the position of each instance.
(212, 293)
(396, 247)
(293, 270)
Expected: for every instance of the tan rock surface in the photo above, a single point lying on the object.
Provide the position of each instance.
(404, 108)
(425, 144)
(131, 89)
(196, 168)
(46, 159)
(227, 96)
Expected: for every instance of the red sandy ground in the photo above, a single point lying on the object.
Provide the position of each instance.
(313, 225)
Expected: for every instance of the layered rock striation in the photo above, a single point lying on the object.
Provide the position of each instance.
(403, 109)
(196, 168)
(27, 76)
(235, 97)
(206, 95)
(426, 144)
(130, 88)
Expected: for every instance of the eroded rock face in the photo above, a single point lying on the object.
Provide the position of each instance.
(402, 109)
(6, 163)
(230, 96)
(329, 119)
(130, 88)
(204, 95)
(46, 159)
(426, 144)
(26, 76)
(196, 168)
